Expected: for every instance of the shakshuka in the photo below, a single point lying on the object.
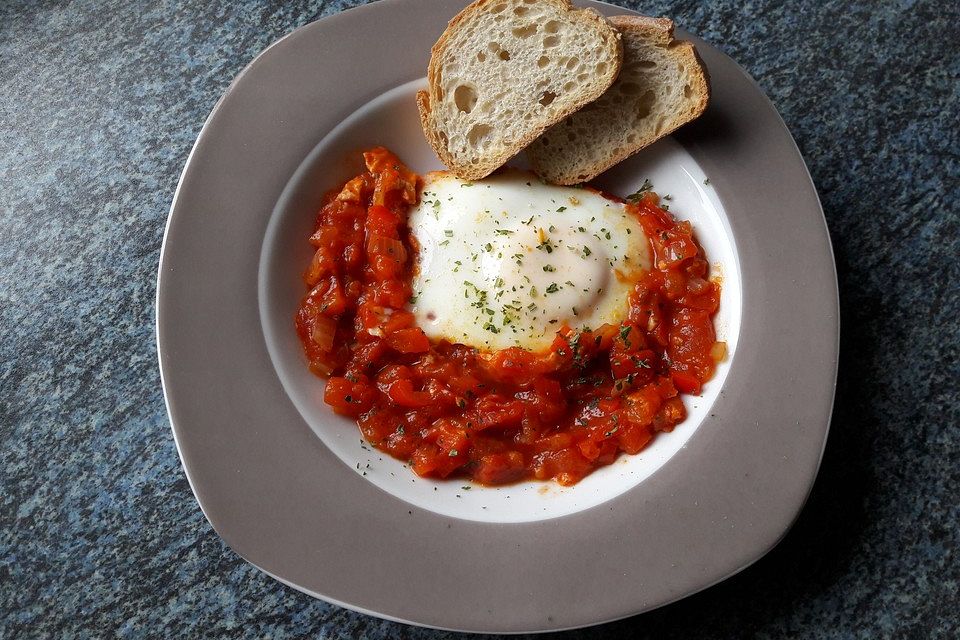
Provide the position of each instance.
(504, 329)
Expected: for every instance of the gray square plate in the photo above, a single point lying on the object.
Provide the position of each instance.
(274, 471)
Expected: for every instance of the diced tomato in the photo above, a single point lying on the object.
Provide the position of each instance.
(705, 296)
(633, 437)
(349, 397)
(396, 321)
(446, 447)
(320, 266)
(691, 338)
(566, 466)
(671, 413)
(430, 460)
(554, 442)
(392, 294)
(500, 468)
(403, 393)
(685, 382)
(638, 365)
(503, 416)
(518, 366)
(642, 405)
(411, 340)
(493, 411)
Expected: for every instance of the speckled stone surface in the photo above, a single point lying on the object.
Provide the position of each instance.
(99, 533)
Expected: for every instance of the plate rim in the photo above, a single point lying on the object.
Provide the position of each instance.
(162, 340)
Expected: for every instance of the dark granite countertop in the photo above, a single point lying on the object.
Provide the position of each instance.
(100, 535)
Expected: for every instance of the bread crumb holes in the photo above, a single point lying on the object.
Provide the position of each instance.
(478, 134)
(465, 97)
(547, 98)
(525, 31)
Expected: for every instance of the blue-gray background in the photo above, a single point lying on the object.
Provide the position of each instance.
(99, 534)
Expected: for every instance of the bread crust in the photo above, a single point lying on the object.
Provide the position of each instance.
(660, 30)
(701, 76)
(426, 99)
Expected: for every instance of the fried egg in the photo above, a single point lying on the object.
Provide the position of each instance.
(508, 260)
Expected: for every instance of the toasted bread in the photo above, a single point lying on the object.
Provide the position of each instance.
(663, 85)
(504, 71)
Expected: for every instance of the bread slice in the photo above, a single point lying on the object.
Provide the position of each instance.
(506, 70)
(662, 86)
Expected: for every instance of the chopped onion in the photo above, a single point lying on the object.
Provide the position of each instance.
(718, 351)
(322, 332)
(696, 286)
(352, 191)
(321, 367)
(388, 246)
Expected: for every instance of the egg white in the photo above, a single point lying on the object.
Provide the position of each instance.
(506, 261)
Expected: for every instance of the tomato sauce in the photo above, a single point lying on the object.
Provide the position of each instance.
(503, 416)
